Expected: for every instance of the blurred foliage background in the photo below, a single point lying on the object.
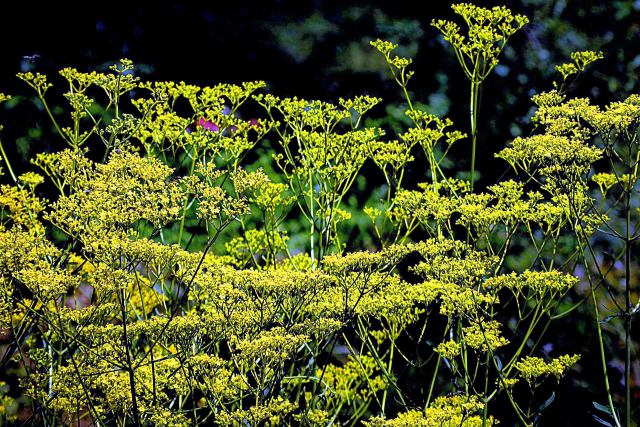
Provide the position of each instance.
(320, 50)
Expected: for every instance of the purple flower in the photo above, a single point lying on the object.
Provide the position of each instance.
(207, 125)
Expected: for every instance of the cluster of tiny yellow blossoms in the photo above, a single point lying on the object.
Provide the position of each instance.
(532, 369)
(484, 336)
(488, 33)
(459, 410)
(580, 61)
(448, 349)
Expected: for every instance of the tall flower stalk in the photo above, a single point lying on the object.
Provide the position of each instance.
(477, 51)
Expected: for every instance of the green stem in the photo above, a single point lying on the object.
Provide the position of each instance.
(311, 222)
(627, 317)
(534, 320)
(389, 366)
(433, 382)
(473, 115)
(603, 358)
(6, 160)
(186, 202)
(53, 120)
(132, 381)
(485, 410)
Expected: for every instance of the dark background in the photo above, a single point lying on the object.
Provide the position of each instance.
(319, 49)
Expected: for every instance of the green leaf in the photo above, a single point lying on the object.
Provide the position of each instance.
(601, 421)
(498, 363)
(602, 408)
(547, 402)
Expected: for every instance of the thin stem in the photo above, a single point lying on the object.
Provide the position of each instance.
(627, 314)
(603, 358)
(389, 367)
(473, 115)
(433, 382)
(132, 380)
(6, 160)
(186, 202)
(311, 222)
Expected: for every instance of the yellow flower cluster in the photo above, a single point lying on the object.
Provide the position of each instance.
(580, 61)
(271, 414)
(357, 381)
(542, 284)
(484, 336)
(271, 346)
(459, 410)
(487, 34)
(532, 369)
(448, 349)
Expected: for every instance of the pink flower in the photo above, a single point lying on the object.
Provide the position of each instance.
(207, 125)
